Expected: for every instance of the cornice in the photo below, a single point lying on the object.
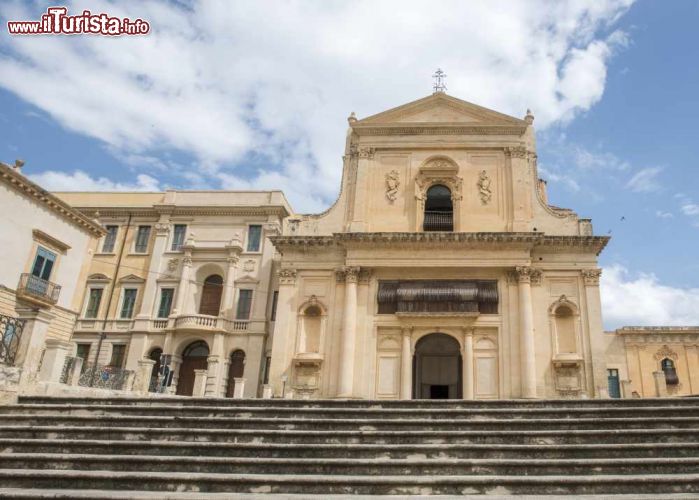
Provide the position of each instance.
(155, 211)
(429, 239)
(657, 330)
(436, 129)
(19, 182)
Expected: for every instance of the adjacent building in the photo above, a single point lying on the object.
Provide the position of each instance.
(182, 281)
(47, 247)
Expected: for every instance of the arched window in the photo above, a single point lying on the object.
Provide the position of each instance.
(565, 330)
(211, 295)
(439, 210)
(236, 369)
(194, 357)
(668, 367)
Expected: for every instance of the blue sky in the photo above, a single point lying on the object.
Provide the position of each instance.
(239, 96)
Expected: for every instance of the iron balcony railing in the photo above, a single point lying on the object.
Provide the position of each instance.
(438, 221)
(10, 336)
(31, 286)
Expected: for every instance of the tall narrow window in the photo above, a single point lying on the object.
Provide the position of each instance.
(83, 352)
(210, 303)
(254, 235)
(110, 239)
(439, 211)
(275, 298)
(93, 302)
(118, 351)
(43, 263)
(142, 236)
(128, 304)
(244, 303)
(166, 295)
(178, 237)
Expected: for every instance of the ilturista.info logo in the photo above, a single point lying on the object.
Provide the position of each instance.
(56, 21)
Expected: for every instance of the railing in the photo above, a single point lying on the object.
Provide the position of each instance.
(67, 369)
(239, 325)
(10, 336)
(31, 286)
(438, 221)
(159, 324)
(206, 322)
(104, 377)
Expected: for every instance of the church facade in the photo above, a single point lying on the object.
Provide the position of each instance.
(441, 271)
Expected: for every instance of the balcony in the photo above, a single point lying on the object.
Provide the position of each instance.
(438, 221)
(204, 322)
(40, 292)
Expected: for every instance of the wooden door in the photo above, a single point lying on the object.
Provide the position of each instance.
(236, 368)
(185, 384)
(211, 295)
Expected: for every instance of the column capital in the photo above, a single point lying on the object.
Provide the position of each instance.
(162, 229)
(527, 274)
(287, 276)
(407, 331)
(515, 152)
(351, 274)
(591, 276)
(468, 331)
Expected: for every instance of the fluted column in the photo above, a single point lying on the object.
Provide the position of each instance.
(526, 327)
(349, 326)
(406, 376)
(234, 248)
(468, 364)
(184, 284)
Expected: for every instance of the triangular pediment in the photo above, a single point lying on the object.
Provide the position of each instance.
(441, 109)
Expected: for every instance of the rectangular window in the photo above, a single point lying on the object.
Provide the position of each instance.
(118, 351)
(110, 239)
(43, 263)
(142, 236)
(244, 303)
(83, 352)
(275, 297)
(93, 303)
(178, 237)
(166, 295)
(128, 304)
(254, 234)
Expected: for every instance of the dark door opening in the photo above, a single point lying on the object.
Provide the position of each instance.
(439, 392)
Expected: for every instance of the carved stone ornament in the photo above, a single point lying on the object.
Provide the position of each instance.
(526, 274)
(187, 261)
(591, 276)
(249, 266)
(287, 276)
(665, 352)
(516, 152)
(351, 274)
(364, 276)
(367, 153)
(392, 184)
(484, 187)
(172, 264)
(162, 229)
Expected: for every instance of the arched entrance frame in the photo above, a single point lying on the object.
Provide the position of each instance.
(417, 374)
(438, 170)
(178, 360)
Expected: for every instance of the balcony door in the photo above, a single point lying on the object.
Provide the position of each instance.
(194, 357)
(211, 295)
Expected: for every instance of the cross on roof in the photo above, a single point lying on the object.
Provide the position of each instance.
(439, 77)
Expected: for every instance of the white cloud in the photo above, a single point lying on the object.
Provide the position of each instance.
(219, 79)
(663, 215)
(643, 301)
(645, 180)
(81, 181)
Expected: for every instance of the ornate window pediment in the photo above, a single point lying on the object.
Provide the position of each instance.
(439, 170)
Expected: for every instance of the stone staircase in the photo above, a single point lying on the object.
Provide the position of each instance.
(129, 448)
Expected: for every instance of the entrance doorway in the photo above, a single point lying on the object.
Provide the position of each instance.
(193, 358)
(236, 368)
(437, 368)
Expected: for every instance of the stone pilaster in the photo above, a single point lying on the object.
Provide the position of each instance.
(468, 391)
(162, 230)
(526, 328)
(406, 376)
(596, 334)
(349, 326)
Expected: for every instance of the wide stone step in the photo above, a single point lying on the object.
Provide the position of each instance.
(443, 424)
(397, 451)
(344, 466)
(47, 432)
(326, 404)
(358, 484)
(339, 414)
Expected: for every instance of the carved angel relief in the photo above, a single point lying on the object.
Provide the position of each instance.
(484, 187)
(392, 184)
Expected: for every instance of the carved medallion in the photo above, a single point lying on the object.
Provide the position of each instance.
(484, 187)
(392, 184)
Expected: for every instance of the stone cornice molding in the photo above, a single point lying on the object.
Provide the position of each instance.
(591, 276)
(376, 129)
(445, 239)
(20, 183)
